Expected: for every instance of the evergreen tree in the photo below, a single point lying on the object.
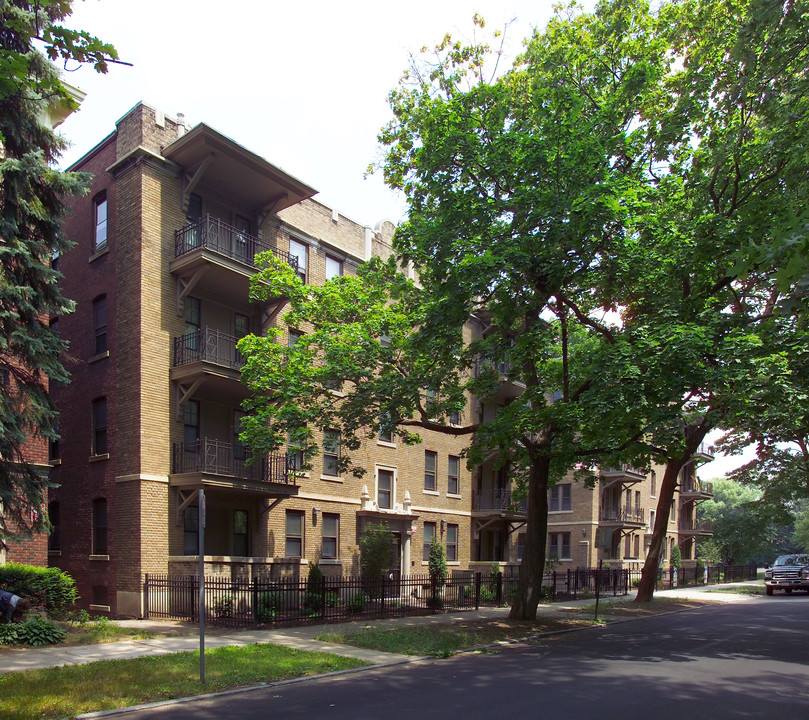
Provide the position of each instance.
(31, 210)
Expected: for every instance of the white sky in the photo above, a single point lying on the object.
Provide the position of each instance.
(304, 85)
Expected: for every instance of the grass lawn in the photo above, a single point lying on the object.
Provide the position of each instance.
(68, 691)
(740, 590)
(444, 640)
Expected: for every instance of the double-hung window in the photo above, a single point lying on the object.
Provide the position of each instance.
(294, 534)
(453, 473)
(100, 324)
(100, 222)
(299, 252)
(334, 267)
(452, 543)
(429, 469)
(429, 536)
(385, 490)
(560, 498)
(99, 426)
(330, 535)
(331, 452)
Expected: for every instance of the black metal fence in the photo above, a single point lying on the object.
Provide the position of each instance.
(263, 601)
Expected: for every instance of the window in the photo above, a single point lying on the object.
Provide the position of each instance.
(100, 222)
(453, 472)
(385, 429)
(637, 501)
(55, 260)
(191, 425)
(294, 534)
(99, 526)
(191, 530)
(454, 417)
(429, 469)
(560, 498)
(334, 267)
(294, 338)
(242, 247)
(193, 316)
(99, 426)
(385, 491)
(298, 251)
(295, 457)
(429, 536)
(241, 328)
(559, 546)
(238, 447)
(452, 543)
(520, 545)
(54, 326)
(240, 533)
(673, 513)
(192, 217)
(100, 324)
(628, 546)
(637, 546)
(331, 452)
(331, 533)
(430, 401)
(53, 443)
(55, 538)
(651, 520)
(653, 483)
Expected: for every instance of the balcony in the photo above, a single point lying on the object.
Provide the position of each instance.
(216, 464)
(695, 489)
(509, 388)
(695, 527)
(209, 356)
(704, 453)
(623, 474)
(497, 502)
(622, 517)
(213, 255)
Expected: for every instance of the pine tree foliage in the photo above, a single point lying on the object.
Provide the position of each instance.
(32, 206)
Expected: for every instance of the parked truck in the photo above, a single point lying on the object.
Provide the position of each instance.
(788, 573)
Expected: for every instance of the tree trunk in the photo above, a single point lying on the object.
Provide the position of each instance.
(532, 566)
(694, 436)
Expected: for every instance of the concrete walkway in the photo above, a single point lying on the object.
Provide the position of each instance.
(182, 637)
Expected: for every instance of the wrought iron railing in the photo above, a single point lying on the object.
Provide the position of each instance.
(624, 468)
(211, 233)
(497, 500)
(215, 457)
(694, 486)
(700, 526)
(622, 514)
(207, 345)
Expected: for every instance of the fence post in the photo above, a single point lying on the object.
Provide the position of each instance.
(499, 589)
(146, 597)
(323, 596)
(477, 590)
(254, 583)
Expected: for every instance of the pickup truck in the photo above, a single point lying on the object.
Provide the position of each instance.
(788, 573)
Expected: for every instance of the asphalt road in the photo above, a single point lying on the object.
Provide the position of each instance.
(742, 660)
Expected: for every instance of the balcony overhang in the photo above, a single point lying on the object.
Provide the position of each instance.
(624, 475)
(621, 524)
(230, 484)
(214, 161)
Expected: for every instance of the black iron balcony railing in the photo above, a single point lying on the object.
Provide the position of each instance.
(697, 526)
(207, 345)
(211, 233)
(215, 457)
(499, 500)
(624, 468)
(694, 486)
(622, 515)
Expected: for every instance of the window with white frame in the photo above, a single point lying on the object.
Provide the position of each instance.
(453, 474)
(329, 549)
(560, 498)
(299, 251)
(100, 222)
(294, 534)
(331, 452)
(452, 543)
(429, 536)
(334, 267)
(385, 488)
(430, 458)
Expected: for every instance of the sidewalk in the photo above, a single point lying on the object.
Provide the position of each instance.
(185, 638)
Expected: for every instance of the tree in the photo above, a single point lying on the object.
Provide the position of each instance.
(31, 208)
(437, 563)
(375, 551)
(730, 181)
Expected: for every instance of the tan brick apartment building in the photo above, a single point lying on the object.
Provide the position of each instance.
(164, 251)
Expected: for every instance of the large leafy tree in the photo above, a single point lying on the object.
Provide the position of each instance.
(732, 148)
(31, 208)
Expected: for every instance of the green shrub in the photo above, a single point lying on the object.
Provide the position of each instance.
(313, 599)
(376, 543)
(676, 557)
(332, 598)
(35, 632)
(356, 603)
(269, 606)
(437, 563)
(224, 606)
(48, 588)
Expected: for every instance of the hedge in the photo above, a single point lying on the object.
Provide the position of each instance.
(48, 588)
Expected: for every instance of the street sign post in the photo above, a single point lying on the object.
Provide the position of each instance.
(201, 497)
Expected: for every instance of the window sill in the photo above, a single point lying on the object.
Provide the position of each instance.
(101, 558)
(332, 478)
(99, 458)
(431, 492)
(101, 252)
(55, 462)
(100, 608)
(454, 496)
(560, 512)
(99, 356)
(330, 561)
(453, 563)
(385, 443)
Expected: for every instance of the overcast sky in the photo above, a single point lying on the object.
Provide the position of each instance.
(304, 85)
